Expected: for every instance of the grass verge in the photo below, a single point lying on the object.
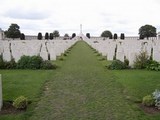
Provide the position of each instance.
(28, 83)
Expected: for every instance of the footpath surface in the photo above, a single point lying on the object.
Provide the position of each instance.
(83, 89)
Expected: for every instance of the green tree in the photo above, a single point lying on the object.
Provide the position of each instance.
(66, 36)
(110, 37)
(147, 31)
(115, 36)
(46, 36)
(106, 33)
(56, 33)
(122, 36)
(13, 31)
(88, 35)
(73, 35)
(51, 36)
(39, 36)
(22, 36)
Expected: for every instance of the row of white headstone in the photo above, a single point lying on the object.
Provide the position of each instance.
(17, 48)
(126, 48)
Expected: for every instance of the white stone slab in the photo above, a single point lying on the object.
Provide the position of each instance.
(1, 99)
(43, 52)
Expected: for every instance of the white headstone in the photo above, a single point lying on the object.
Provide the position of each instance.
(1, 34)
(6, 51)
(120, 53)
(1, 100)
(44, 53)
(158, 35)
(132, 57)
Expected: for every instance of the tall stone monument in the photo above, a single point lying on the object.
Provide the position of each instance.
(81, 35)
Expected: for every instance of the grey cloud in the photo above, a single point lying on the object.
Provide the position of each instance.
(18, 13)
(123, 22)
(157, 1)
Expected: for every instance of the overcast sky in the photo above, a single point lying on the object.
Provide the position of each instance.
(118, 16)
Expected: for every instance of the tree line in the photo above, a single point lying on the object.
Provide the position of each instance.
(14, 32)
(145, 31)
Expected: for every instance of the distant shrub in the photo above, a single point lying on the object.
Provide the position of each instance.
(61, 58)
(115, 36)
(148, 101)
(23, 62)
(47, 65)
(88, 35)
(99, 54)
(65, 54)
(126, 62)
(39, 37)
(103, 58)
(122, 36)
(46, 36)
(20, 103)
(73, 35)
(27, 62)
(7, 64)
(141, 60)
(156, 96)
(35, 62)
(153, 65)
(22, 36)
(51, 36)
(1, 62)
(95, 51)
(10, 65)
(117, 65)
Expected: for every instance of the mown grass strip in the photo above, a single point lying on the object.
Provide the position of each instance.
(83, 89)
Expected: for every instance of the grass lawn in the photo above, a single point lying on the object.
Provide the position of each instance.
(138, 83)
(83, 89)
(80, 89)
(28, 83)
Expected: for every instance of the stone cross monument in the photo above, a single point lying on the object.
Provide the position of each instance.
(80, 28)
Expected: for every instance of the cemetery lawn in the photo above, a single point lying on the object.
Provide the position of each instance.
(80, 89)
(28, 83)
(138, 83)
(83, 89)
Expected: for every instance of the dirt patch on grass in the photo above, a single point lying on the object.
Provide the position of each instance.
(149, 110)
(9, 109)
